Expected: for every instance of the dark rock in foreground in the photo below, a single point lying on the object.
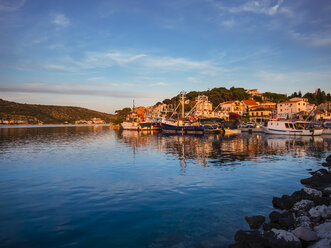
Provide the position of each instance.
(305, 221)
(255, 222)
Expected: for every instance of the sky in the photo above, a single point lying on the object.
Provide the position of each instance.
(103, 54)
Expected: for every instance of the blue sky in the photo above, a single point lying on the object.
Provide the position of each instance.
(103, 54)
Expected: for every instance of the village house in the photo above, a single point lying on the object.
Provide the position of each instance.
(235, 107)
(260, 114)
(268, 104)
(323, 111)
(254, 92)
(204, 108)
(97, 121)
(293, 107)
(249, 104)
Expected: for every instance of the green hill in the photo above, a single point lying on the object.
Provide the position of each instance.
(47, 114)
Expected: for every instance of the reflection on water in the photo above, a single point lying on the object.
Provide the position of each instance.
(218, 149)
(96, 187)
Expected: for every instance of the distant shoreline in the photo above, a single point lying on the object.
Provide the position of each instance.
(52, 125)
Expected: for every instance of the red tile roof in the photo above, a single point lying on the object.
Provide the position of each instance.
(250, 102)
(228, 102)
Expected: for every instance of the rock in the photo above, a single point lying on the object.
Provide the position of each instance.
(313, 192)
(255, 222)
(315, 196)
(285, 202)
(305, 233)
(240, 236)
(319, 179)
(326, 164)
(281, 239)
(287, 236)
(248, 239)
(274, 216)
(319, 172)
(327, 191)
(303, 205)
(286, 222)
(321, 200)
(323, 243)
(320, 211)
(328, 158)
(324, 230)
(271, 225)
(303, 221)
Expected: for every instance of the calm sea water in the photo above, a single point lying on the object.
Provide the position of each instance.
(96, 187)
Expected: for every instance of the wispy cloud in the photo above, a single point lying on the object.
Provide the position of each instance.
(228, 23)
(313, 39)
(294, 80)
(11, 5)
(71, 90)
(140, 62)
(259, 7)
(159, 84)
(60, 20)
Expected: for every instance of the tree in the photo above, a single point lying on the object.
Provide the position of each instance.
(299, 94)
(121, 115)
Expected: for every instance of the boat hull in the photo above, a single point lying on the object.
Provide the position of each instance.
(312, 132)
(130, 125)
(194, 129)
(144, 126)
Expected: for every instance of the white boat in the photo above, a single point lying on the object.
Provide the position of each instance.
(231, 131)
(291, 128)
(127, 125)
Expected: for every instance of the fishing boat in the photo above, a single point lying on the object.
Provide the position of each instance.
(291, 128)
(137, 122)
(182, 126)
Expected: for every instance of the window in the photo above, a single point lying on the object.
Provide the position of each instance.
(286, 125)
(299, 104)
(299, 109)
(261, 113)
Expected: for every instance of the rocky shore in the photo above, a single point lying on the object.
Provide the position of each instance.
(304, 219)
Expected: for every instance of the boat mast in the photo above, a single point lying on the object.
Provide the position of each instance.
(183, 104)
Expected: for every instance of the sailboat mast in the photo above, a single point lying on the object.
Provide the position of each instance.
(183, 105)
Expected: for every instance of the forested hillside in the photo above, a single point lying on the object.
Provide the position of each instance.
(48, 114)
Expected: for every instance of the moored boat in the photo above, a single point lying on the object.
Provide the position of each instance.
(180, 127)
(291, 128)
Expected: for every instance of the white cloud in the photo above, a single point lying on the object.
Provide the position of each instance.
(259, 7)
(315, 40)
(228, 23)
(123, 59)
(159, 84)
(136, 62)
(11, 5)
(70, 89)
(60, 20)
(193, 80)
(295, 80)
(56, 67)
(271, 76)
